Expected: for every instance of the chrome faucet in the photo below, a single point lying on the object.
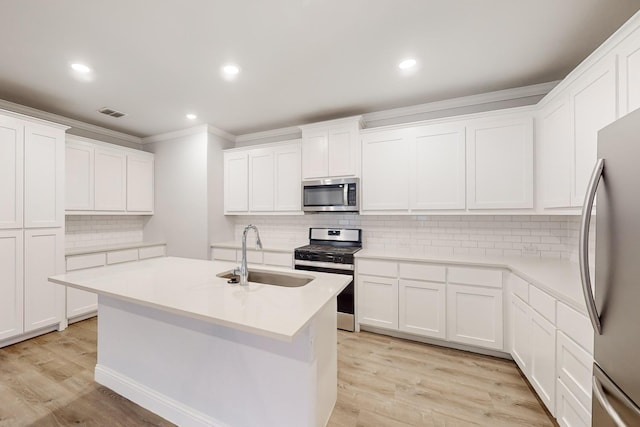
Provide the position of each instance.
(244, 272)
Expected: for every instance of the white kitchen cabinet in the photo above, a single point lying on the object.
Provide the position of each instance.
(543, 359)
(520, 326)
(43, 257)
(140, 182)
(288, 182)
(385, 172)
(569, 412)
(377, 301)
(474, 316)
(11, 283)
(11, 172)
(629, 74)
(438, 169)
(79, 302)
(574, 366)
(79, 174)
(556, 145)
(500, 163)
(110, 180)
(43, 176)
(236, 182)
(593, 100)
(261, 180)
(422, 308)
(331, 149)
(152, 252)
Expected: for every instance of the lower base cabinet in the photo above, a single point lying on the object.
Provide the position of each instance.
(378, 301)
(422, 308)
(11, 283)
(543, 359)
(569, 412)
(474, 316)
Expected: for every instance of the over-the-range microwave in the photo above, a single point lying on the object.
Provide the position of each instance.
(331, 195)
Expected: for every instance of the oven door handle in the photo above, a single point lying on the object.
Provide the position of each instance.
(331, 265)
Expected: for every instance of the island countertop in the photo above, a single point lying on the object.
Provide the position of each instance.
(191, 288)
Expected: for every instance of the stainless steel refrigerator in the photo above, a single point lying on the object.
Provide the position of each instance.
(614, 306)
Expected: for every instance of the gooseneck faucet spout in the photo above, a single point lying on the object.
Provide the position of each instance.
(244, 272)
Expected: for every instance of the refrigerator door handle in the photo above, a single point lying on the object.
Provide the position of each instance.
(583, 247)
(600, 379)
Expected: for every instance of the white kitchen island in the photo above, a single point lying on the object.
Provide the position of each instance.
(198, 351)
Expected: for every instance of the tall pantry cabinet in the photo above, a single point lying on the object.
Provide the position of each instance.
(31, 225)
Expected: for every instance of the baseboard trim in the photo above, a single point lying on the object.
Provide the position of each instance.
(158, 403)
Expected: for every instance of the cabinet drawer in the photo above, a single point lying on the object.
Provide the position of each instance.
(151, 252)
(253, 257)
(431, 273)
(575, 368)
(376, 267)
(576, 326)
(79, 262)
(476, 276)
(569, 411)
(543, 303)
(223, 254)
(122, 256)
(519, 287)
(282, 259)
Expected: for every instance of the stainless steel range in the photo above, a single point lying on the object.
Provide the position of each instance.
(331, 251)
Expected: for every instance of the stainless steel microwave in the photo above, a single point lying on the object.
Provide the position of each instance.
(331, 195)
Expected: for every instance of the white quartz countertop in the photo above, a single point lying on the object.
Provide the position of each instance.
(251, 246)
(560, 278)
(109, 248)
(190, 287)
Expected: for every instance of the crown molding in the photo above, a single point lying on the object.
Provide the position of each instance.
(72, 123)
(187, 132)
(464, 101)
(292, 131)
(221, 133)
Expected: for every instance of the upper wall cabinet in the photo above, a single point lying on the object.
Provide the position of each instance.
(263, 180)
(31, 173)
(107, 179)
(629, 73)
(500, 163)
(331, 149)
(555, 142)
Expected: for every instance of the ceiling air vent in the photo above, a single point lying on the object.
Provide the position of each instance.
(111, 112)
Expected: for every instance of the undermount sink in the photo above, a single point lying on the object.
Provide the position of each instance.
(288, 280)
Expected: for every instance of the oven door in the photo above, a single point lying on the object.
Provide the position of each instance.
(346, 298)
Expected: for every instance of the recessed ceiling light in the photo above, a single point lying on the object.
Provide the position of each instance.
(407, 63)
(191, 116)
(231, 70)
(81, 68)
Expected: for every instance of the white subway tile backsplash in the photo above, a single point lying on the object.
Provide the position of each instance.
(83, 231)
(519, 235)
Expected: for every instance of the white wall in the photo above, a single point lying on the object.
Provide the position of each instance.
(220, 226)
(181, 197)
(505, 235)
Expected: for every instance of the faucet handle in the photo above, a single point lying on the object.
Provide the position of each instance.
(236, 271)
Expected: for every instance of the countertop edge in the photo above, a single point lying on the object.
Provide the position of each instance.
(109, 248)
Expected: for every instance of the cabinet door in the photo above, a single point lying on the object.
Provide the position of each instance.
(438, 167)
(629, 74)
(11, 172)
(474, 316)
(236, 182)
(288, 182)
(556, 154)
(500, 164)
(521, 334)
(80, 303)
(78, 176)
(261, 180)
(43, 176)
(575, 368)
(543, 358)
(569, 412)
(378, 301)
(315, 154)
(593, 106)
(110, 180)
(385, 171)
(422, 308)
(11, 283)
(140, 183)
(43, 257)
(341, 156)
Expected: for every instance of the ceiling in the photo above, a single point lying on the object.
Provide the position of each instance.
(301, 60)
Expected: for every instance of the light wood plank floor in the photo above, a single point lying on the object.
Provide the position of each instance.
(382, 381)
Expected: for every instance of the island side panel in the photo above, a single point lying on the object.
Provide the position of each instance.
(197, 373)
